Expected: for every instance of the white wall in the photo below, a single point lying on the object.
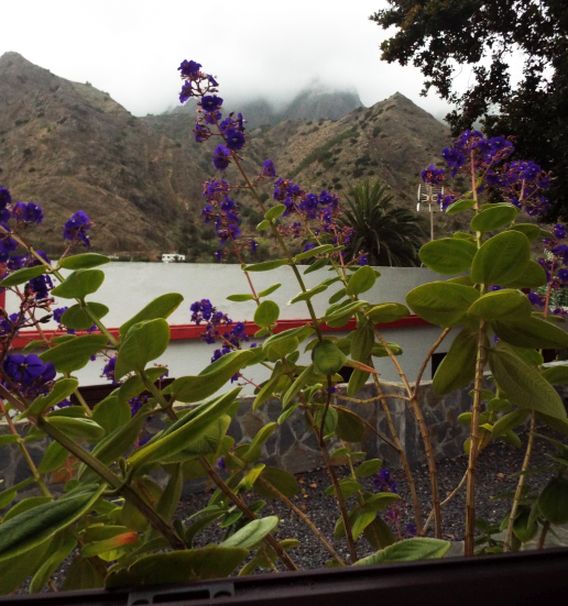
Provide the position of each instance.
(129, 286)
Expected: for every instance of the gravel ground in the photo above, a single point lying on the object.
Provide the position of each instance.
(499, 466)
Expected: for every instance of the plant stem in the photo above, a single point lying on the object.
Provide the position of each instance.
(337, 490)
(231, 495)
(424, 433)
(416, 506)
(26, 454)
(303, 517)
(474, 443)
(520, 485)
(543, 533)
(114, 481)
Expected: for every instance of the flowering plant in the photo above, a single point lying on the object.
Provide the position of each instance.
(112, 518)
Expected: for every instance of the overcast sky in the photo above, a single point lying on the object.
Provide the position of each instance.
(132, 48)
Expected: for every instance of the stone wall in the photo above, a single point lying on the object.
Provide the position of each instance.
(294, 447)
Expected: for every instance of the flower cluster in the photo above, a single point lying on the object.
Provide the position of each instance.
(433, 175)
(210, 122)
(219, 328)
(76, 228)
(519, 182)
(28, 374)
(384, 482)
(473, 148)
(555, 263)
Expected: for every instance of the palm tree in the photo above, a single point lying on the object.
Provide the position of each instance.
(388, 234)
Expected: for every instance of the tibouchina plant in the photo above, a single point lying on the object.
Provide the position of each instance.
(97, 500)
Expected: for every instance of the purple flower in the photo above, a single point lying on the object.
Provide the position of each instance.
(39, 287)
(560, 231)
(268, 169)
(76, 228)
(202, 132)
(27, 212)
(108, 370)
(30, 371)
(234, 138)
(211, 103)
(433, 175)
(190, 69)
(221, 157)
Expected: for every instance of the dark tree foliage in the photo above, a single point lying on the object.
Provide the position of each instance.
(440, 35)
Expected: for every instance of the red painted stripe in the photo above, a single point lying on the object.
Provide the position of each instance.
(192, 332)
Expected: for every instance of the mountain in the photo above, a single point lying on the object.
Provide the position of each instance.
(69, 146)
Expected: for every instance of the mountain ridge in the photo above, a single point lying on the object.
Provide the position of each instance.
(70, 146)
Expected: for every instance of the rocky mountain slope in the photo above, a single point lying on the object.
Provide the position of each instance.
(70, 146)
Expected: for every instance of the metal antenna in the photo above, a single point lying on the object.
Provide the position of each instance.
(432, 195)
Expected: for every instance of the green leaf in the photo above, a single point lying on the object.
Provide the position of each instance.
(54, 457)
(494, 216)
(82, 574)
(61, 389)
(362, 280)
(368, 468)
(83, 261)
(448, 255)
(239, 298)
(306, 295)
(269, 290)
(459, 206)
(59, 550)
(350, 426)
(266, 314)
(178, 567)
(111, 412)
(78, 318)
(32, 527)
(533, 276)
(524, 385)
(531, 231)
(196, 388)
(161, 307)
(317, 264)
(20, 276)
(341, 314)
(531, 332)
(145, 341)
(457, 369)
(282, 480)
(501, 259)
(553, 501)
(505, 303)
(387, 312)
(14, 571)
(275, 212)
(323, 249)
(509, 421)
(77, 428)
(189, 427)
(266, 265)
(327, 357)
(75, 352)
(441, 303)
(286, 341)
(556, 375)
(134, 385)
(408, 550)
(79, 284)
(254, 449)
